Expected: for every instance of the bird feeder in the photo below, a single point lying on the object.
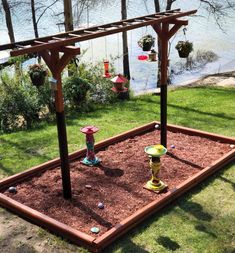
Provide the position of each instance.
(152, 55)
(118, 82)
(53, 83)
(90, 158)
(155, 152)
(142, 57)
(106, 69)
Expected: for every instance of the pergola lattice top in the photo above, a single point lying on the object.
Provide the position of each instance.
(68, 38)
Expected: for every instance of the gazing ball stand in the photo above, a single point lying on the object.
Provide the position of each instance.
(155, 152)
(90, 158)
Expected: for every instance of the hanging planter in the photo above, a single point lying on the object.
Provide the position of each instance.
(119, 82)
(106, 69)
(37, 73)
(153, 55)
(146, 42)
(184, 48)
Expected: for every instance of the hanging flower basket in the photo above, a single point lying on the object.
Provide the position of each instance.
(146, 42)
(184, 48)
(37, 73)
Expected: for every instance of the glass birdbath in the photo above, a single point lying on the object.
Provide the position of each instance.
(155, 152)
(90, 158)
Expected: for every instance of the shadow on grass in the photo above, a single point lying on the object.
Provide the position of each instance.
(167, 243)
(228, 181)
(196, 210)
(129, 247)
(204, 229)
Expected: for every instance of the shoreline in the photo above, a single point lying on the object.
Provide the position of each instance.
(223, 79)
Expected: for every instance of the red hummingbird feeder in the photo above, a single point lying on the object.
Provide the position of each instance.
(106, 69)
(90, 158)
(119, 82)
(142, 57)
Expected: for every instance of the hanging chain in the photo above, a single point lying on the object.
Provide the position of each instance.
(105, 45)
(184, 31)
(118, 58)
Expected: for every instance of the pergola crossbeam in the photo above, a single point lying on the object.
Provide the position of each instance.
(80, 35)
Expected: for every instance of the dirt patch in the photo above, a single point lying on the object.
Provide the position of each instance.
(118, 181)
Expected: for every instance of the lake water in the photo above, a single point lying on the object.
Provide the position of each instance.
(202, 31)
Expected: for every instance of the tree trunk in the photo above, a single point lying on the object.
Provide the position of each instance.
(126, 67)
(68, 24)
(157, 5)
(7, 11)
(68, 15)
(169, 4)
(35, 25)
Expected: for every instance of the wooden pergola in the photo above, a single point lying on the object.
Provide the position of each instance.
(57, 51)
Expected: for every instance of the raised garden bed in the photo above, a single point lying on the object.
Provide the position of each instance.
(117, 182)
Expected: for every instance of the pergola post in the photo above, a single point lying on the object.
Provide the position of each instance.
(163, 83)
(165, 34)
(62, 139)
(56, 65)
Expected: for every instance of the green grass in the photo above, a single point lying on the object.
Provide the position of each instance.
(203, 221)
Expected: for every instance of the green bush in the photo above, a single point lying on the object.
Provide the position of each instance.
(22, 104)
(100, 88)
(75, 91)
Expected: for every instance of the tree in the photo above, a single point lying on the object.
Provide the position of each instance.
(68, 15)
(9, 25)
(126, 67)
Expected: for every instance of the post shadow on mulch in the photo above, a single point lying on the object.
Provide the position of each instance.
(111, 172)
(167, 243)
(194, 165)
(92, 213)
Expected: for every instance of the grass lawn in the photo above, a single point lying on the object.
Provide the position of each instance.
(202, 221)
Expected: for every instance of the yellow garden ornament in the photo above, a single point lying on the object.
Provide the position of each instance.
(155, 152)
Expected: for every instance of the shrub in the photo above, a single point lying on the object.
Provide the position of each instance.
(100, 88)
(75, 91)
(22, 104)
(19, 106)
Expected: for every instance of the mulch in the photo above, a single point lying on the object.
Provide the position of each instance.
(118, 181)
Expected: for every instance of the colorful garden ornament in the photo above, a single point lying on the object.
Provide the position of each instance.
(90, 158)
(155, 152)
(106, 69)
